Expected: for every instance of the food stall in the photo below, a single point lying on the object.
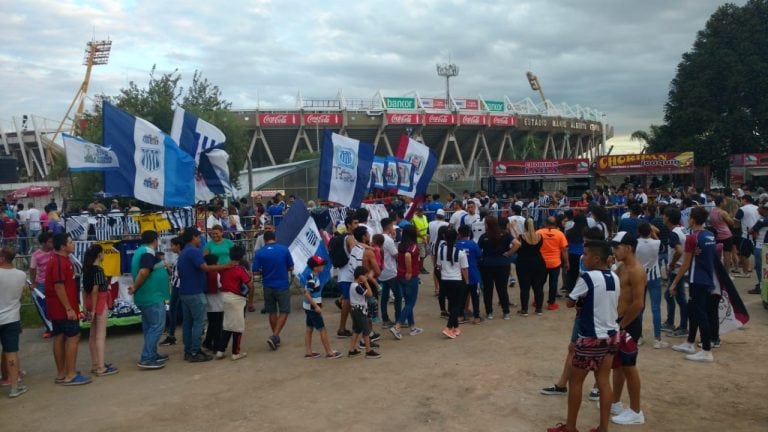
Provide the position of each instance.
(748, 168)
(649, 170)
(531, 176)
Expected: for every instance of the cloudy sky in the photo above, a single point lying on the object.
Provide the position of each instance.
(615, 56)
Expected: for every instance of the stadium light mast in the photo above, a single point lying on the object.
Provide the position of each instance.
(533, 80)
(447, 70)
(96, 54)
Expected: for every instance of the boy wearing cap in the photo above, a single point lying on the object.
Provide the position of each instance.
(313, 302)
(631, 301)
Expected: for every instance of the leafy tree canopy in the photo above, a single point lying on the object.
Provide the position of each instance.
(717, 103)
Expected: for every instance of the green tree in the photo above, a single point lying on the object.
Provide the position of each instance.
(717, 104)
(648, 138)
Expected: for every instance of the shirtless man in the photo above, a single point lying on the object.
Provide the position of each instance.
(363, 239)
(633, 279)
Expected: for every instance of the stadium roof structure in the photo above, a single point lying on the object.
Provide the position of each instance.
(463, 132)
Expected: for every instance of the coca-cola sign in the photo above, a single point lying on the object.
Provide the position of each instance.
(502, 120)
(400, 118)
(322, 119)
(278, 119)
(440, 119)
(473, 119)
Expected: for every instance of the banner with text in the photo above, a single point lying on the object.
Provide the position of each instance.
(647, 162)
(528, 168)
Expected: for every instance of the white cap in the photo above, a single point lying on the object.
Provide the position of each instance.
(440, 212)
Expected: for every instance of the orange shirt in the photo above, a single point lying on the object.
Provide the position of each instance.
(552, 246)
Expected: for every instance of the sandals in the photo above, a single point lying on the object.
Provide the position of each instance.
(76, 381)
(313, 355)
(109, 370)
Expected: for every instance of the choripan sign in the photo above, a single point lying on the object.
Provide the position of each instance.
(646, 162)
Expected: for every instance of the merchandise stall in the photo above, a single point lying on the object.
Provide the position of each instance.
(531, 176)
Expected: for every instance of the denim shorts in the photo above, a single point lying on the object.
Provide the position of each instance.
(277, 300)
(315, 320)
(9, 336)
(69, 328)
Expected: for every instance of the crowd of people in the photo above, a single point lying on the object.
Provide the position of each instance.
(600, 260)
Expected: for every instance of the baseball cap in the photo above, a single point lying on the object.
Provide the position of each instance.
(623, 238)
(440, 212)
(315, 261)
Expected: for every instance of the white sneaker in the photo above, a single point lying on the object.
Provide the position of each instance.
(701, 356)
(239, 356)
(617, 408)
(660, 344)
(640, 341)
(219, 355)
(685, 347)
(416, 331)
(629, 417)
(489, 317)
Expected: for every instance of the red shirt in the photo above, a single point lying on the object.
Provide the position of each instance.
(231, 279)
(213, 282)
(415, 262)
(60, 271)
(10, 225)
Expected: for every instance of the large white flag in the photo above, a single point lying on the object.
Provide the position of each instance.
(84, 155)
(345, 169)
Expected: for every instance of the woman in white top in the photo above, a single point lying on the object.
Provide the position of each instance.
(454, 267)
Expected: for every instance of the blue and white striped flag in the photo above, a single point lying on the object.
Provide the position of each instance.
(83, 155)
(152, 167)
(345, 169)
(299, 233)
(204, 142)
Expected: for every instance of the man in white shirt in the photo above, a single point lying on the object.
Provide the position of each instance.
(12, 283)
(387, 279)
(748, 215)
(516, 221)
(34, 220)
(457, 216)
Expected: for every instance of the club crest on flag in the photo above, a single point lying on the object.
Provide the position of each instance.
(345, 158)
(150, 159)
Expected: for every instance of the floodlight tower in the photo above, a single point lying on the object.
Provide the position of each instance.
(96, 54)
(533, 80)
(447, 70)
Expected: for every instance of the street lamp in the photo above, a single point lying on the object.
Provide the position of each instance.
(447, 70)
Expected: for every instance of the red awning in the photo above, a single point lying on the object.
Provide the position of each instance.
(29, 192)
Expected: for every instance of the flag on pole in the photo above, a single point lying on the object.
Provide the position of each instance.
(391, 175)
(84, 155)
(194, 134)
(204, 142)
(422, 159)
(731, 310)
(405, 173)
(345, 169)
(298, 231)
(152, 166)
(377, 173)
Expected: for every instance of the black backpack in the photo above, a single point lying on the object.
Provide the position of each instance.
(337, 250)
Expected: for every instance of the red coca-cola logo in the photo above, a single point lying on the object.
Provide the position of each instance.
(403, 118)
(472, 119)
(326, 119)
(281, 119)
(440, 119)
(502, 121)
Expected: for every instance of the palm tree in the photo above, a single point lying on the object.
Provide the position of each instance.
(648, 137)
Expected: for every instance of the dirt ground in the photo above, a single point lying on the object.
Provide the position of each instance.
(488, 379)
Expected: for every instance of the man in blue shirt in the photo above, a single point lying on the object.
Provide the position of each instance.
(631, 223)
(273, 262)
(433, 206)
(193, 284)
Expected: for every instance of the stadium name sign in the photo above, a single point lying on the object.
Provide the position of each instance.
(537, 122)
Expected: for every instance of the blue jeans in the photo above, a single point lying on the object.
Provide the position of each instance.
(410, 290)
(681, 301)
(654, 290)
(152, 323)
(386, 287)
(759, 263)
(193, 307)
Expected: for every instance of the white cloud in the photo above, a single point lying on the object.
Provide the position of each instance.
(618, 57)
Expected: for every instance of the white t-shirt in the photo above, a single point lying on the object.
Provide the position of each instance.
(451, 271)
(347, 274)
(477, 226)
(749, 218)
(12, 282)
(676, 237)
(212, 221)
(647, 252)
(455, 220)
(34, 219)
(389, 253)
(432, 230)
(518, 222)
(642, 198)
(357, 296)
(599, 291)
